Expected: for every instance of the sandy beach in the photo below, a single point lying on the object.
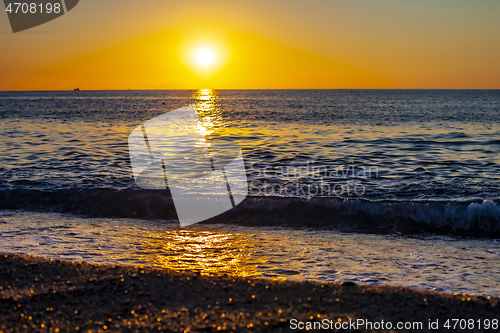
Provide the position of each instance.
(40, 295)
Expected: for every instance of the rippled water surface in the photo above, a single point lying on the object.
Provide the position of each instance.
(396, 159)
(431, 263)
(375, 144)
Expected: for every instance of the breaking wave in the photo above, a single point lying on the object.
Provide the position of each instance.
(476, 219)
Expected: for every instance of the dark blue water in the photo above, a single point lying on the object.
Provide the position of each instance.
(431, 156)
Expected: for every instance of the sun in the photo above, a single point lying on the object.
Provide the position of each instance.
(205, 57)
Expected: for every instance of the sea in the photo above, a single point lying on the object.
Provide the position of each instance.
(382, 187)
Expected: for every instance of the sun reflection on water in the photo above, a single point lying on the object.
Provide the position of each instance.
(206, 252)
(207, 103)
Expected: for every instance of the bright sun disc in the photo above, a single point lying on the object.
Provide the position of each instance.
(205, 57)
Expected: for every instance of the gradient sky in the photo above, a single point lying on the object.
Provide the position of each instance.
(148, 44)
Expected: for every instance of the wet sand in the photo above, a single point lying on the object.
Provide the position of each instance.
(61, 296)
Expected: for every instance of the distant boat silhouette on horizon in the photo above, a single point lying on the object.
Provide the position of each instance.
(76, 89)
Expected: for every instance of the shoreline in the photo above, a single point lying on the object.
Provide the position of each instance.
(44, 295)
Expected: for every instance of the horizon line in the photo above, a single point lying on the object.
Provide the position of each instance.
(190, 89)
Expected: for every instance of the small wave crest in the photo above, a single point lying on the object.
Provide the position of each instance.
(480, 219)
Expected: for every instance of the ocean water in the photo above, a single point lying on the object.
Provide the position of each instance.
(430, 145)
(408, 159)
(385, 162)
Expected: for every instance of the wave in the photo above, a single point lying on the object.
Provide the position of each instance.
(472, 219)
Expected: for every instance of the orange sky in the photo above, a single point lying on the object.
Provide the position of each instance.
(122, 44)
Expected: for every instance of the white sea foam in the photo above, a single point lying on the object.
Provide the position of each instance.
(432, 263)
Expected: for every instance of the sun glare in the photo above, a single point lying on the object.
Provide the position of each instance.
(205, 57)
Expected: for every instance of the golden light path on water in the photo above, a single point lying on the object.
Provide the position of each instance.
(209, 111)
(206, 252)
